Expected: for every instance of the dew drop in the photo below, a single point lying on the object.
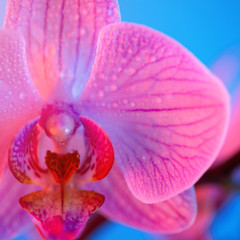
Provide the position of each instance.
(157, 99)
(115, 105)
(22, 95)
(132, 71)
(83, 31)
(100, 94)
(137, 58)
(66, 74)
(113, 77)
(152, 58)
(111, 88)
(101, 76)
(132, 104)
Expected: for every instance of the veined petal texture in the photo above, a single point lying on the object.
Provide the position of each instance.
(61, 40)
(164, 112)
(169, 216)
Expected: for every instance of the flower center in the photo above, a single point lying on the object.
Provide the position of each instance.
(62, 167)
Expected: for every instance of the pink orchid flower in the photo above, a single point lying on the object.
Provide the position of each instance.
(78, 89)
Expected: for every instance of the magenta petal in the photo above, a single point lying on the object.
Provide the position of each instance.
(120, 205)
(24, 159)
(164, 112)
(61, 214)
(19, 100)
(100, 156)
(209, 198)
(61, 40)
(14, 220)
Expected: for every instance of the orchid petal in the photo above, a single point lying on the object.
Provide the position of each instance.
(227, 68)
(120, 205)
(101, 155)
(61, 214)
(61, 40)
(209, 198)
(19, 101)
(164, 112)
(14, 220)
(24, 157)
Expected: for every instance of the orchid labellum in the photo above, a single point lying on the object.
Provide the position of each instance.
(79, 89)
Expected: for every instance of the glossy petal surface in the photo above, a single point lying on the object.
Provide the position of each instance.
(169, 216)
(165, 114)
(61, 215)
(61, 40)
(19, 101)
(14, 220)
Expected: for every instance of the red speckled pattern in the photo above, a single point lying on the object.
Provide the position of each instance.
(23, 157)
(101, 152)
(61, 214)
(19, 101)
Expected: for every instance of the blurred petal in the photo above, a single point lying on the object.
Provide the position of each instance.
(209, 198)
(24, 159)
(19, 101)
(232, 144)
(165, 114)
(61, 40)
(14, 220)
(227, 68)
(120, 205)
(61, 214)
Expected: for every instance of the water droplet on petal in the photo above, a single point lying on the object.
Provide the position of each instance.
(132, 104)
(137, 58)
(115, 105)
(132, 71)
(111, 88)
(152, 58)
(100, 94)
(157, 99)
(22, 95)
